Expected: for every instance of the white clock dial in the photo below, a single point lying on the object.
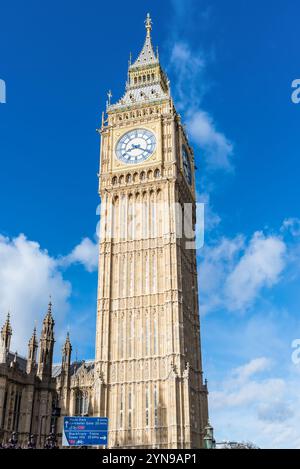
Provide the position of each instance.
(135, 146)
(186, 165)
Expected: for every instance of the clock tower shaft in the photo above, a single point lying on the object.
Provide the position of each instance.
(148, 355)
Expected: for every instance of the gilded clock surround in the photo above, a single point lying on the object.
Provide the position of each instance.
(135, 146)
(117, 164)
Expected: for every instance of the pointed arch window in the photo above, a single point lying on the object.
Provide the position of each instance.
(130, 409)
(155, 407)
(121, 409)
(131, 276)
(81, 403)
(154, 274)
(155, 342)
(147, 274)
(131, 337)
(121, 338)
(147, 326)
(145, 221)
(147, 406)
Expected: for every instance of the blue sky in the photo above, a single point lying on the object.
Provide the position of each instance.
(231, 66)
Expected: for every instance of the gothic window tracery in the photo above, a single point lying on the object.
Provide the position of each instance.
(81, 402)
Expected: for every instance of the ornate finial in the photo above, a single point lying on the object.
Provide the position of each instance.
(33, 337)
(109, 95)
(157, 53)
(50, 306)
(6, 329)
(130, 59)
(148, 23)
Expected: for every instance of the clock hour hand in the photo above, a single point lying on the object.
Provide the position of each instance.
(133, 147)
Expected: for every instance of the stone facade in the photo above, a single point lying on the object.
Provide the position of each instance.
(33, 389)
(148, 357)
(147, 375)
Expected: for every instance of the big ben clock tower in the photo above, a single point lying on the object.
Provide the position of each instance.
(148, 366)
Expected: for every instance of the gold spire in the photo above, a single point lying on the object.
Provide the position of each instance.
(147, 55)
(146, 81)
(148, 23)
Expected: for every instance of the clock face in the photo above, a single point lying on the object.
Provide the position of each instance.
(186, 165)
(135, 146)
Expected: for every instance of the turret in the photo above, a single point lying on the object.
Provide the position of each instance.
(46, 346)
(32, 350)
(5, 338)
(66, 355)
(66, 363)
(64, 394)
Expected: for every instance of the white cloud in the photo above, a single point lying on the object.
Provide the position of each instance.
(218, 149)
(256, 365)
(250, 406)
(260, 266)
(241, 389)
(28, 274)
(85, 253)
(211, 218)
(215, 263)
(274, 411)
(292, 225)
(188, 65)
(232, 272)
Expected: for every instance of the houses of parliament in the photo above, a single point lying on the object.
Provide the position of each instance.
(147, 373)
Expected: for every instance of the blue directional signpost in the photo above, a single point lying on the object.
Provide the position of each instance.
(85, 431)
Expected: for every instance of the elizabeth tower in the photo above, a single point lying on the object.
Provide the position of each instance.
(148, 356)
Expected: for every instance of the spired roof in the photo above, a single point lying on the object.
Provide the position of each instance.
(74, 368)
(143, 88)
(147, 55)
(143, 94)
(21, 361)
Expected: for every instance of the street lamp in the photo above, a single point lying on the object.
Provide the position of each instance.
(209, 441)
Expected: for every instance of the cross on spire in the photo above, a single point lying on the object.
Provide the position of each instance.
(109, 95)
(148, 23)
